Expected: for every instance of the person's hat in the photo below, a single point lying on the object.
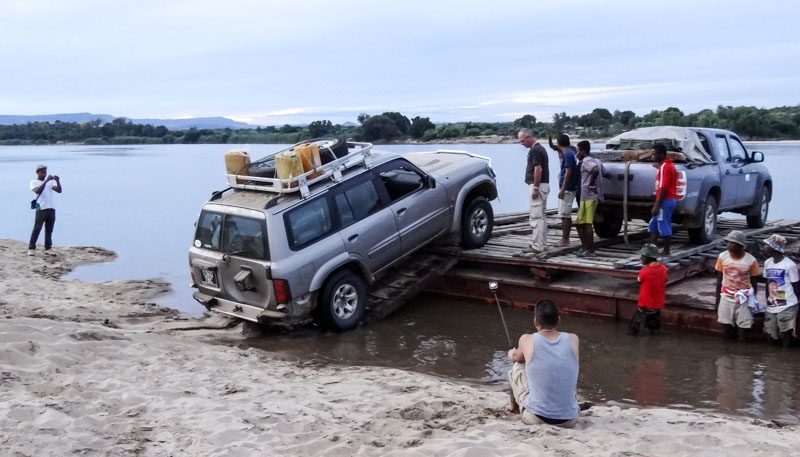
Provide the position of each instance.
(776, 242)
(737, 236)
(649, 250)
(41, 167)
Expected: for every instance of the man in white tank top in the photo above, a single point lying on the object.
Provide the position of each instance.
(544, 377)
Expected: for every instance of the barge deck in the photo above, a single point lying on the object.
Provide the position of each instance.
(605, 285)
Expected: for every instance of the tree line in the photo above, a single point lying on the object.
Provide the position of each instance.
(749, 122)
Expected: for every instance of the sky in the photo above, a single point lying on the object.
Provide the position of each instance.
(277, 62)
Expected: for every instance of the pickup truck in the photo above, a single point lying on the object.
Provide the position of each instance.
(716, 174)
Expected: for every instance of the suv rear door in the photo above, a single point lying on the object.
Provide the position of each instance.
(422, 213)
(230, 255)
(368, 228)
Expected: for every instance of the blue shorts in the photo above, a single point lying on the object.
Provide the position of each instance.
(662, 224)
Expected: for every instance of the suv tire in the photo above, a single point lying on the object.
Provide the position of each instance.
(708, 223)
(607, 223)
(760, 210)
(341, 302)
(477, 223)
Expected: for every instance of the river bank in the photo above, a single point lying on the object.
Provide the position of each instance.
(100, 369)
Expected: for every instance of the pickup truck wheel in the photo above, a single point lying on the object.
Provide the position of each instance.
(342, 302)
(477, 223)
(607, 224)
(761, 210)
(708, 227)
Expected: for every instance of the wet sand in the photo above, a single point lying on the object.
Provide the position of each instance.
(99, 369)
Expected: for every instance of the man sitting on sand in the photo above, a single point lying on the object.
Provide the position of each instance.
(544, 377)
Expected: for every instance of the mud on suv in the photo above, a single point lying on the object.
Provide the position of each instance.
(269, 249)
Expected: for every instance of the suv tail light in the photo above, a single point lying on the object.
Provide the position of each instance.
(191, 270)
(281, 289)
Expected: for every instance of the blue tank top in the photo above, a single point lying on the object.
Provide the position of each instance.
(552, 378)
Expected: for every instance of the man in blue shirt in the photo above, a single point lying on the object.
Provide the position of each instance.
(568, 180)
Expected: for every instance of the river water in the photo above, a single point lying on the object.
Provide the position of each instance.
(141, 202)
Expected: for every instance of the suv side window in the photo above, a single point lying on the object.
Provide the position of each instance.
(400, 180)
(357, 202)
(738, 153)
(209, 231)
(308, 223)
(722, 148)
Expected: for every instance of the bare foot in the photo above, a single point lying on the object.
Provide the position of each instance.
(512, 408)
(563, 243)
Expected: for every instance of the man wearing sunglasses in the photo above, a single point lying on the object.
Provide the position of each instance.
(43, 186)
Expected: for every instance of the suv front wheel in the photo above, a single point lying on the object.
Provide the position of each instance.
(477, 223)
(341, 302)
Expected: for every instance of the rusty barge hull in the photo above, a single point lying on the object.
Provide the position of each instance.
(603, 286)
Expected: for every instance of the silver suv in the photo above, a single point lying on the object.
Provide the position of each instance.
(286, 249)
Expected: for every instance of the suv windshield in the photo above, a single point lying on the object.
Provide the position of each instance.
(231, 234)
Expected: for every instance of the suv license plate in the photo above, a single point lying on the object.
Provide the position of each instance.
(209, 277)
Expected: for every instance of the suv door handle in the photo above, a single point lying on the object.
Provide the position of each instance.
(352, 237)
(401, 211)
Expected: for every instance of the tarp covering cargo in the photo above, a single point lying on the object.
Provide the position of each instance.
(672, 137)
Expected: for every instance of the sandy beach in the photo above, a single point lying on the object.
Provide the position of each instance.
(101, 369)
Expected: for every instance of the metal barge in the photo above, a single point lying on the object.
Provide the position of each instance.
(603, 286)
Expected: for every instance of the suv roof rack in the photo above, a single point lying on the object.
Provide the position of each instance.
(357, 155)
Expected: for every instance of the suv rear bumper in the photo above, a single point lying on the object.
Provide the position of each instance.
(234, 309)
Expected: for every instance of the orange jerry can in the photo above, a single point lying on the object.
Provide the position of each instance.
(237, 162)
(309, 156)
(288, 165)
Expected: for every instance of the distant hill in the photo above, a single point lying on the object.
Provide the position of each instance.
(172, 124)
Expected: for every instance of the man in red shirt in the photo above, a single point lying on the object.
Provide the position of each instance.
(652, 289)
(666, 193)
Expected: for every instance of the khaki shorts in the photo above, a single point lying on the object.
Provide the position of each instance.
(565, 205)
(777, 323)
(730, 313)
(586, 209)
(519, 388)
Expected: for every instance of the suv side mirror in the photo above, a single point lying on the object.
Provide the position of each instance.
(758, 156)
(430, 183)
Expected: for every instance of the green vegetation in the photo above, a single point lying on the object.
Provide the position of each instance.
(748, 121)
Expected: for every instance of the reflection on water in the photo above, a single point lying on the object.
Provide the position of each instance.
(466, 340)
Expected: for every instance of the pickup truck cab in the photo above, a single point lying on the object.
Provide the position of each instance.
(716, 174)
(274, 249)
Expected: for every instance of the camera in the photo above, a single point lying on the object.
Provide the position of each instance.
(493, 286)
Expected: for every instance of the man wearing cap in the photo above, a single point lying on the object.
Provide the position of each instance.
(43, 186)
(737, 272)
(782, 280)
(652, 290)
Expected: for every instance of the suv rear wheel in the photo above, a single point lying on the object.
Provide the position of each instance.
(477, 223)
(708, 225)
(342, 302)
(760, 209)
(607, 223)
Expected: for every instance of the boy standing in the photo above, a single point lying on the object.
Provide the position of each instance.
(652, 290)
(737, 272)
(783, 282)
(589, 196)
